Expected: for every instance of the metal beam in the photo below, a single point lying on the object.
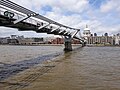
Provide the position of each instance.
(14, 6)
(65, 33)
(55, 29)
(24, 18)
(21, 19)
(61, 31)
(43, 26)
(75, 33)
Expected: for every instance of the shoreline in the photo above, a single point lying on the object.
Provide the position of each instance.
(101, 46)
(61, 45)
(40, 45)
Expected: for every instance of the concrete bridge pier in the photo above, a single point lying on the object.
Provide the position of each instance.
(68, 43)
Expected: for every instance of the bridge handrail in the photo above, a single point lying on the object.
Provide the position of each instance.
(18, 16)
(20, 12)
(14, 6)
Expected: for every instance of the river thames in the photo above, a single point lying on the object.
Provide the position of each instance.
(50, 68)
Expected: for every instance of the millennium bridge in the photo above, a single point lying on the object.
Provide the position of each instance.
(15, 16)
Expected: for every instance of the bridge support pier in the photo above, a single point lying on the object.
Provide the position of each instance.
(68, 43)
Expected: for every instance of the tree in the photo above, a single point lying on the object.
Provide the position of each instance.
(106, 34)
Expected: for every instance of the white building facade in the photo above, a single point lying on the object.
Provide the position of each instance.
(117, 39)
(101, 40)
(86, 32)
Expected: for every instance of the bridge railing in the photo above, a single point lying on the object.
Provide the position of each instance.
(34, 19)
(18, 15)
(2, 11)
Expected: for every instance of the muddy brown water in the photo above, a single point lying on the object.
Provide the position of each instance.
(88, 68)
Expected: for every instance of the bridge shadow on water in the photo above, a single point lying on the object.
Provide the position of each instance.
(7, 70)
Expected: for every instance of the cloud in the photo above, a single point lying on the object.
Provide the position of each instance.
(64, 5)
(110, 5)
(7, 31)
(76, 13)
(10, 31)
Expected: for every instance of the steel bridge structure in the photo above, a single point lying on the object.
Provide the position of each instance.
(15, 16)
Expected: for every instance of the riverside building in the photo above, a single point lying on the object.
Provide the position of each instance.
(117, 39)
(94, 39)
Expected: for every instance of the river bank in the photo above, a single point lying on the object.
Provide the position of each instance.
(101, 45)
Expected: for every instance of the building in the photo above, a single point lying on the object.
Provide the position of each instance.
(57, 41)
(75, 41)
(86, 32)
(14, 36)
(61, 41)
(4, 40)
(90, 39)
(20, 40)
(31, 41)
(12, 41)
(48, 40)
(95, 34)
(106, 34)
(117, 39)
(105, 40)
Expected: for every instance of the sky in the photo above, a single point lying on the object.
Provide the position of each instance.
(101, 16)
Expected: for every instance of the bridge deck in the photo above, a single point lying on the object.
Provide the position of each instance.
(28, 20)
(24, 26)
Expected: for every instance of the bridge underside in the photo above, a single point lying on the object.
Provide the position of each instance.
(8, 22)
(15, 16)
(24, 26)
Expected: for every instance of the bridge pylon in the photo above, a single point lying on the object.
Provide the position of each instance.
(15, 16)
(68, 43)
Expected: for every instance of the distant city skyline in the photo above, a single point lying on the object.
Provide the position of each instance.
(8, 33)
(102, 16)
